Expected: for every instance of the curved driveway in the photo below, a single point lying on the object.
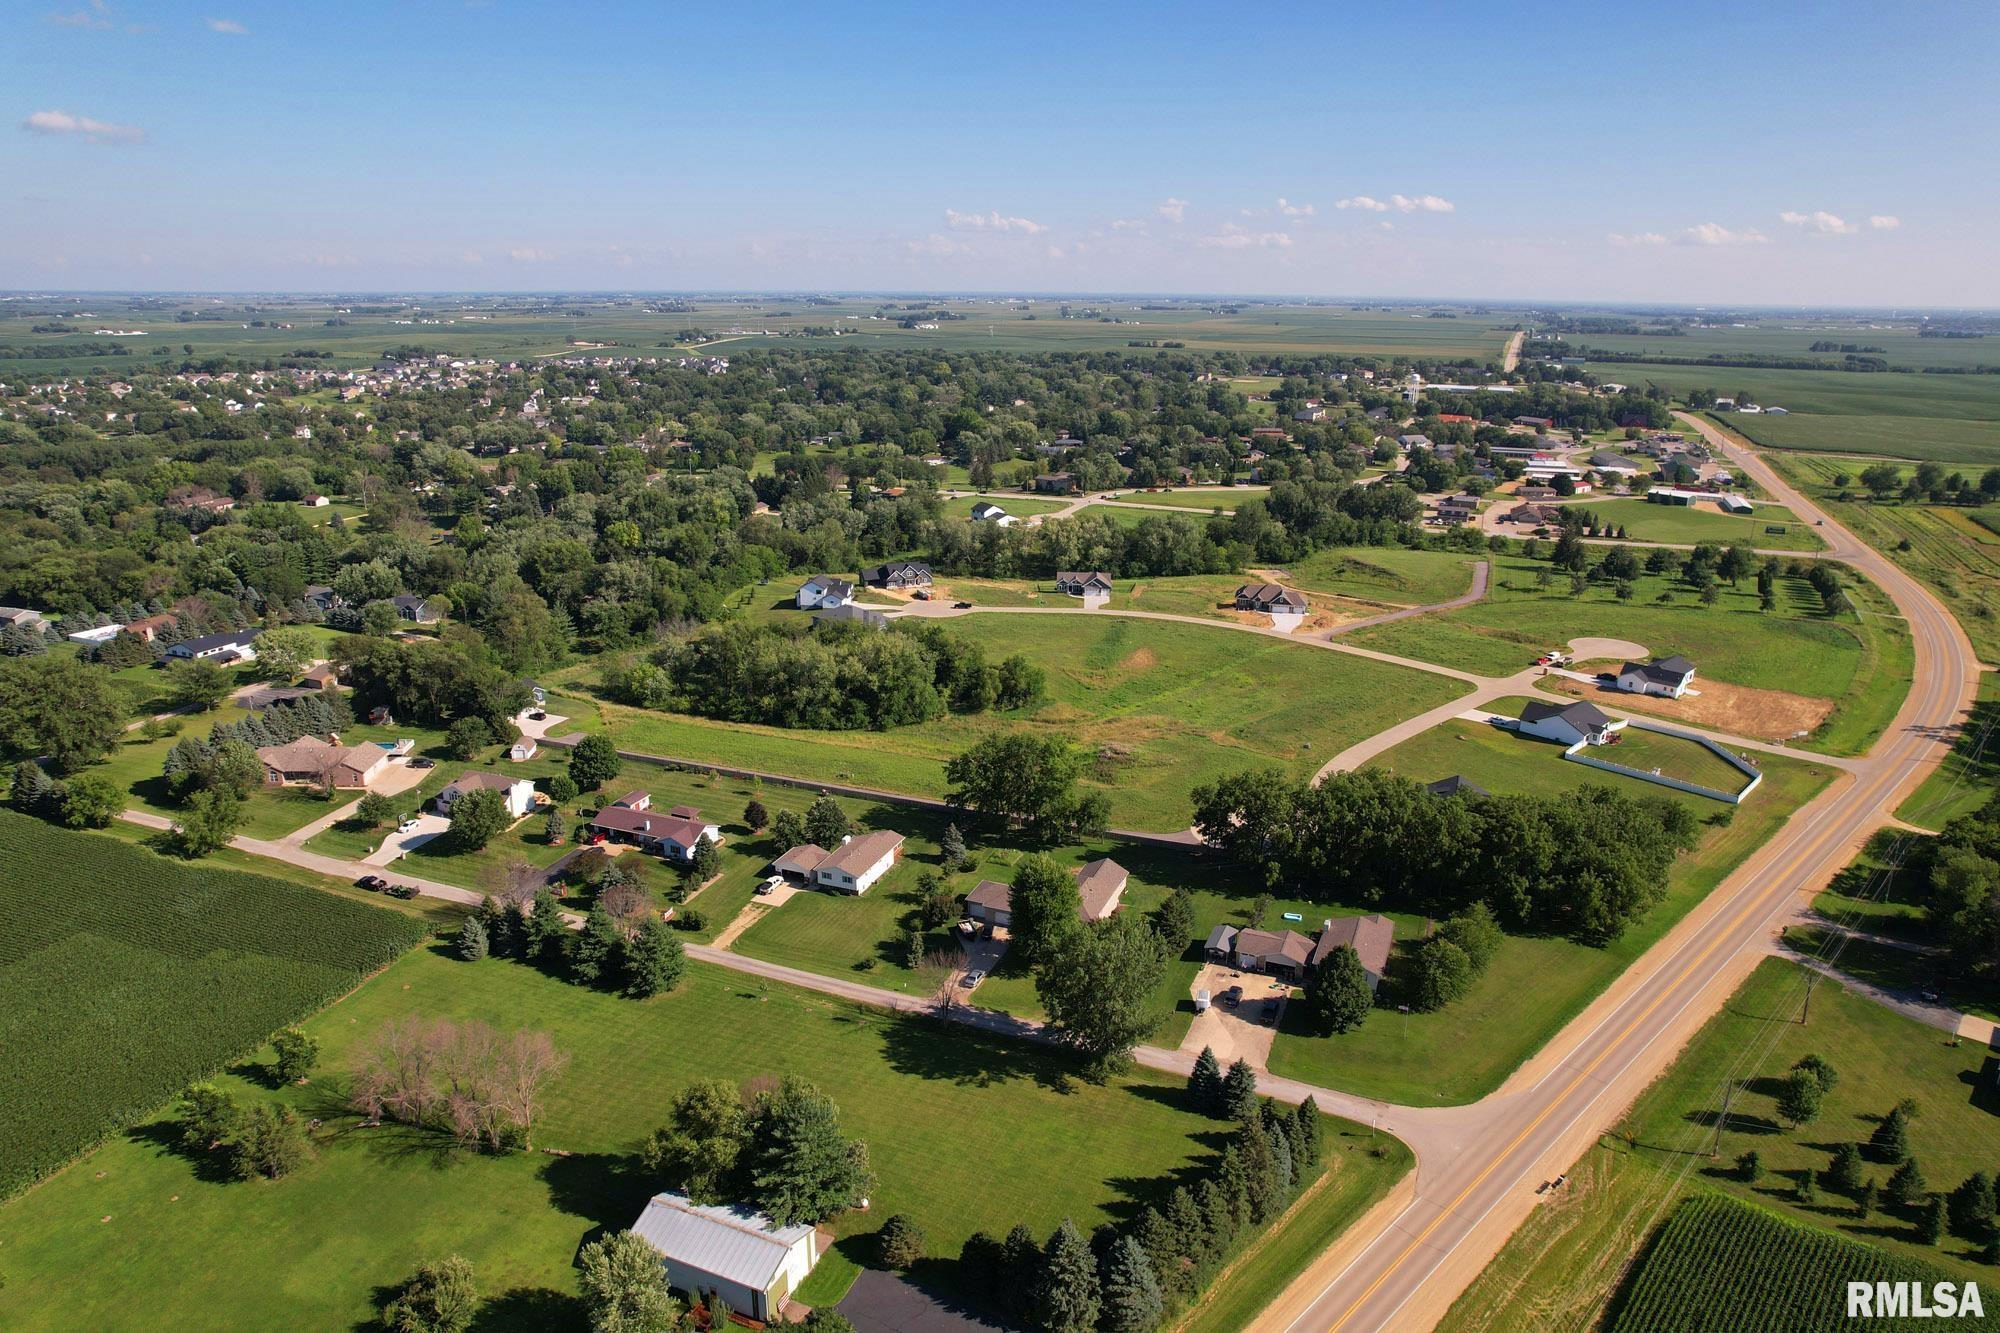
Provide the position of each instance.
(1468, 1200)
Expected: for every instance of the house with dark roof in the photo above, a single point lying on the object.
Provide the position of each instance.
(1569, 723)
(1284, 954)
(1668, 677)
(898, 574)
(414, 609)
(1455, 785)
(674, 835)
(1084, 582)
(1056, 483)
(824, 591)
(1271, 598)
(234, 645)
(849, 614)
(988, 512)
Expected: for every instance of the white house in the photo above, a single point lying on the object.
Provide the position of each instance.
(755, 1265)
(517, 794)
(988, 512)
(853, 867)
(522, 749)
(231, 646)
(1566, 724)
(1668, 677)
(824, 591)
(102, 634)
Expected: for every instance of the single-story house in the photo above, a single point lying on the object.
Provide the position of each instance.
(1084, 582)
(310, 761)
(1455, 785)
(1056, 483)
(853, 867)
(323, 597)
(1371, 938)
(1270, 597)
(414, 609)
(1310, 414)
(522, 750)
(322, 677)
(1100, 884)
(1285, 954)
(150, 628)
(1538, 423)
(851, 615)
(101, 634)
(755, 1265)
(898, 574)
(230, 646)
(266, 696)
(21, 617)
(1668, 677)
(673, 835)
(313, 500)
(991, 902)
(1534, 515)
(518, 794)
(1566, 724)
(1604, 460)
(824, 591)
(988, 512)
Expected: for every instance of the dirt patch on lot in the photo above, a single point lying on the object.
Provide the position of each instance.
(1762, 715)
(1140, 659)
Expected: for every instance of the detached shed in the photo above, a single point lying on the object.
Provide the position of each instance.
(755, 1265)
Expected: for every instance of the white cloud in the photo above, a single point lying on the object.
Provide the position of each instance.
(1173, 210)
(1714, 233)
(528, 254)
(81, 127)
(1128, 224)
(1423, 203)
(97, 16)
(327, 261)
(1822, 223)
(1638, 238)
(1364, 203)
(227, 27)
(1885, 222)
(1233, 237)
(936, 246)
(1292, 210)
(992, 221)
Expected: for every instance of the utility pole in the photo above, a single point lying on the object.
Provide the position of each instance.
(1805, 1014)
(1728, 1096)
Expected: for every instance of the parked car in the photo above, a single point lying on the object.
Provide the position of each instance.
(1271, 1007)
(1231, 997)
(403, 891)
(1201, 1001)
(423, 763)
(410, 825)
(769, 885)
(922, 594)
(972, 978)
(372, 883)
(961, 606)
(538, 716)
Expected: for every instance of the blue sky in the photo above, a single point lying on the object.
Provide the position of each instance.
(1830, 154)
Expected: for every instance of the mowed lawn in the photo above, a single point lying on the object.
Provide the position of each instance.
(1861, 661)
(1020, 506)
(1645, 521)
(1535, 984)
(1226, 498)
(965, 1133)
(1163, 708)
(1384, 573)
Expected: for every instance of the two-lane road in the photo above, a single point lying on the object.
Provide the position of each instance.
(1467, 1203)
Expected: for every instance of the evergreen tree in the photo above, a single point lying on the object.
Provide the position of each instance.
(1133, 1302)
(1891, 1139)
(34, 789)
(755, 816)
(472, 942)
(1337, 995)
(1799, 1098)
(1906, 1185)
(554, 826)
(1972, 1207)
(1173, 922)
(1021, 1262)
(1749, 1169)
(1234, 1190)
(1239, 1092)
(1306, 1117)
(1188, 1238)
(1262, 1188)
(654, 960)
(1864, 1202)
(439, 1297)
(1070, 1297)
(900, 1243)
(951, 849)
(1845, 1173)
(1205, 1083)
(1823, 1073)
(594, 950)
(1930, 1221)
(1808, 1188)
(544, 932)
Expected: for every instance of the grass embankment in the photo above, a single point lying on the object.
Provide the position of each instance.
(966, 1133)
(1645, 521)
(1562, 1267)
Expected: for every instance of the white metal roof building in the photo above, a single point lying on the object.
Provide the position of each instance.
(703, 1247)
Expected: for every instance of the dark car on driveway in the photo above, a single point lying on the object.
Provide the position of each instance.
(1271, 1008)
(1231, 996)
(423, 763)
(372, 883)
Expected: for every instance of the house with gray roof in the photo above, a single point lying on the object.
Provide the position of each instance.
(754, 1264)
(1567, 724)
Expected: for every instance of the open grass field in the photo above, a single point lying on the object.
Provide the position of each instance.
(1823, 392)
(521, 327)
(1953, 551)
(1228, 499)
(124, 975)
(1966, 779)
(1165, 707)
(1562, 1268)
(1534, 985)
(1645, 521)
(1020, 506)
(1860, 662)
(1673, 757)
(1391, 574)
(965, 1132)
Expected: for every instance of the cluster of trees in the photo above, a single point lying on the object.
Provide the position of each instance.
(1582, 864)
(1927, 482)
(1028, 780)
(266, 1140)
(60, 708)
(464, 1079)
(1958, 873)
(837, 679)
(432, 682)
(629, 949)
(84, 801)
(1129, 1279)
(777, 1147)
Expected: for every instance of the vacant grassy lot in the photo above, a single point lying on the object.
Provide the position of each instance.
(123, 975)
(1020, 506)
(1385, 573)
(965, 1133)
(1670, 756)
(1227, 499)
(1860, 661)
(1164, 707)
(1648, 522)
(1561, 1268)
(1535, 985)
